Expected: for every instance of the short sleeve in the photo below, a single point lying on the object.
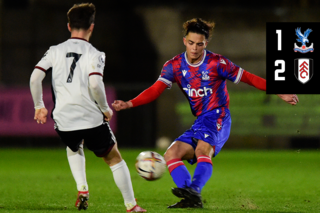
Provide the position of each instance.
(46, 61)
(229, 70)
(97, 64)
(166, 75)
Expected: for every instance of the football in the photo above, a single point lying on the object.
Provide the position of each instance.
(150, 165)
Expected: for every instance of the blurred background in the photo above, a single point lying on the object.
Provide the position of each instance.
(138, 37)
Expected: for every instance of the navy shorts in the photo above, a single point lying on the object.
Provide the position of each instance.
(212, 127)
(99, 139)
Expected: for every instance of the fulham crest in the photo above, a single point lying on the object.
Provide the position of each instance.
(303, 69)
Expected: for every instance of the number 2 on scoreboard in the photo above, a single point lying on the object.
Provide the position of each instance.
(281, 70)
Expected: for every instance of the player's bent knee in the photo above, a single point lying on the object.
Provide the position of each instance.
(205, 149)
(179, 150)
(170, 154)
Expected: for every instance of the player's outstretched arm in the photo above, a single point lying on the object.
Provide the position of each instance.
(147, 96)
(260, 83)
(289, 98)
(119, 105)
(254, 80)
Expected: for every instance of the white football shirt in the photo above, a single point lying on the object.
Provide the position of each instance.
(72, 62)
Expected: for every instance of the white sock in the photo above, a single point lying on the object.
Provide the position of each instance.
(77, 164)
(121, 176)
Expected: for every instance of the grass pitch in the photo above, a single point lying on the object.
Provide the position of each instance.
(39, 180)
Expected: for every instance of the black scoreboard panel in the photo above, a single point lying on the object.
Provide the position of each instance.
(293, 57)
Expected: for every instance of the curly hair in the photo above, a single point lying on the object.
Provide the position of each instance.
(81, 16)
(197, 25)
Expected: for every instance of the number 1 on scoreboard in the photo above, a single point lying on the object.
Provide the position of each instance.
(279, 32)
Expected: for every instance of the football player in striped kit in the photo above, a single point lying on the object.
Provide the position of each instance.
(81, 111)
(201, 75)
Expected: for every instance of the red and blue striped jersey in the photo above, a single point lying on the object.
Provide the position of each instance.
(204, 84)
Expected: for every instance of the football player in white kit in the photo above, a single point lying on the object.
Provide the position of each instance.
(81, 111)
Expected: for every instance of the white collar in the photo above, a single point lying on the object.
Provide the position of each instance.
(199, 63)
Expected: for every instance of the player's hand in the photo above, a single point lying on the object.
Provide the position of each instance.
(289, 98)
(40, 115)
(121, 105)
(108, 114)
